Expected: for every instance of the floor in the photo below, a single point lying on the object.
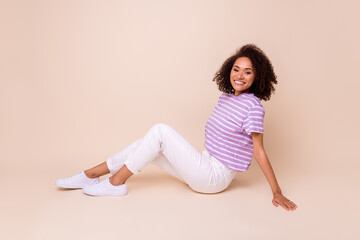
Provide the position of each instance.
(159, 206)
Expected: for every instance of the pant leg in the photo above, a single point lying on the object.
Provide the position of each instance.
(116, 161)
(162, 162)
(202, 172)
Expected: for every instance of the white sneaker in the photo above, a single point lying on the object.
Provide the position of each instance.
(79, 180)
(105, 188)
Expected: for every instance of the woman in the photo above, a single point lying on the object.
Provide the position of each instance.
(233, 134)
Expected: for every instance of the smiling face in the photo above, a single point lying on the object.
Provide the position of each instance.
(242, 75)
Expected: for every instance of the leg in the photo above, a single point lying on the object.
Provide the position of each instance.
(97, 171)
(162, 162)
(120, 176)
(116, 161)
(91, 176)
(199, 171)
(116, 164)
(124, 173)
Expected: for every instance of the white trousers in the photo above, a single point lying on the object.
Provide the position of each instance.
(166, 148)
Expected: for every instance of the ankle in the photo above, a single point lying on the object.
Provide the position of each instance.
(116, 182)
(90, 174)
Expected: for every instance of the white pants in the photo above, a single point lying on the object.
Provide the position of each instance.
(166, 148)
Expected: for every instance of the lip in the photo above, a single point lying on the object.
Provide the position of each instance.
(240, 83)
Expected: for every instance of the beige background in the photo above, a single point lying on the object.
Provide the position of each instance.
(80, 80)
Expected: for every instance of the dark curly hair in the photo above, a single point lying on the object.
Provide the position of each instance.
(265, 77)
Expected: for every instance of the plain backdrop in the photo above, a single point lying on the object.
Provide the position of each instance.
(80, 80)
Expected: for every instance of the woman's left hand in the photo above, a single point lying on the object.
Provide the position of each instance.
(279, 199)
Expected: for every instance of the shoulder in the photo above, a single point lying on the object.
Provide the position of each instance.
(254, 105)
(246, 101)
(252, 100)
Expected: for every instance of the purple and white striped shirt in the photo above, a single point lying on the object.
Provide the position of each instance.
(228, 129)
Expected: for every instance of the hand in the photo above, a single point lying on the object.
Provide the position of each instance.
(279, 199)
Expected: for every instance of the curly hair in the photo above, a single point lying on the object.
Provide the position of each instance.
(265, 77)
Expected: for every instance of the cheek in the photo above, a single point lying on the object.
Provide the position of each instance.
(251, 80)
(231, 75)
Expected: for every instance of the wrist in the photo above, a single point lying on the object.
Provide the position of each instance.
(277, 193)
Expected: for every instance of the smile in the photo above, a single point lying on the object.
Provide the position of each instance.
(239, 82)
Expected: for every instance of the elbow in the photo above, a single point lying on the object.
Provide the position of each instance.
(259, 154)
(257, 157)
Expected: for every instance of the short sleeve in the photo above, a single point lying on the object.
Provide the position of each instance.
(254, 121)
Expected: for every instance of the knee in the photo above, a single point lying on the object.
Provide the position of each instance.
(159, 127)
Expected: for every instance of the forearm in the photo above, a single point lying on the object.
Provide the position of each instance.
(268, 171)
(263, 161)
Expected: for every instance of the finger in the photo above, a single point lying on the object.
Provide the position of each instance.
(284, 206)
(287, 206)
(293, 205)
(275, 203)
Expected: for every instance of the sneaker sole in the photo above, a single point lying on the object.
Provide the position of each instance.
(104, 195)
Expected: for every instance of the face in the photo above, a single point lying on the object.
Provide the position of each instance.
(242, 75)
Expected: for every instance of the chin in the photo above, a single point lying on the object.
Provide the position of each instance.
(242, 90)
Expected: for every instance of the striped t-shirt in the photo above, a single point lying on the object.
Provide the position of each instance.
(228, 129)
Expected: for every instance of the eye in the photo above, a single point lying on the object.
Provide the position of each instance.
(248, 72)
(235, 69)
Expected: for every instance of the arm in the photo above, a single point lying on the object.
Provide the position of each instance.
(264, 163)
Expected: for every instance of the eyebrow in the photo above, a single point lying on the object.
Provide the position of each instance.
(245, 68)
